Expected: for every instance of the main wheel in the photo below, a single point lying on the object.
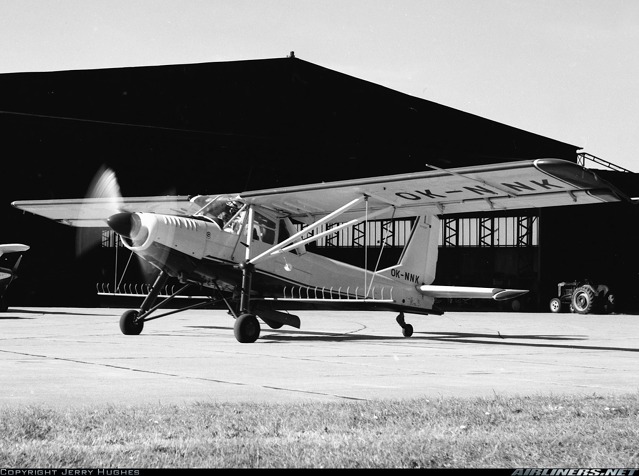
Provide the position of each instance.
(129, 325)
(407, 330)
(246, 328)
(583, 299)
(555, 305)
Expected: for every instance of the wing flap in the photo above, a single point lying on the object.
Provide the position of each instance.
(468, 292)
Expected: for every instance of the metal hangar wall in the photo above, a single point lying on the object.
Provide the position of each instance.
(234, 126)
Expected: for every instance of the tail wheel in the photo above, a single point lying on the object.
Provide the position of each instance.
(555, 305)
(129, 323)
(246, 328)
(407, 330)
(583, 299)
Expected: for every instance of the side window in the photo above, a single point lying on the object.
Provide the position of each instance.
(263, 228)
(285, 230)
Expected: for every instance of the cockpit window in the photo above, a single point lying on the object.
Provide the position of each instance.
(231, 216)
(220, 210)
(234, 219)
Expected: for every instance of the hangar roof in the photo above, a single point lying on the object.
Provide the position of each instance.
(247, 124)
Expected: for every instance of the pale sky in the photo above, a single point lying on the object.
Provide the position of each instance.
(565, 69)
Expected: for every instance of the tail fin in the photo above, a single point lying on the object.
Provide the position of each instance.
(418, 262)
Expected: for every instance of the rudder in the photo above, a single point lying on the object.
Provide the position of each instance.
(418, 262)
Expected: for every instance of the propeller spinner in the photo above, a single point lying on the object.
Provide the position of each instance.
(128, 226)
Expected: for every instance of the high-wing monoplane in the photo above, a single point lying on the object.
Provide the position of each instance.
(246, 251)
(9, 272)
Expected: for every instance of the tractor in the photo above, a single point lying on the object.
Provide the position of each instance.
(583, 297)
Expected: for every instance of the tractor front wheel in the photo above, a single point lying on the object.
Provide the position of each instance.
(555, 305)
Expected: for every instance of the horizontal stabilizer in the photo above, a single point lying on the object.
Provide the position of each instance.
(13, 248)
(466, 292)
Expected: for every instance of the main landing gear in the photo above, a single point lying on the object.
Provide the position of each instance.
(407, 329)
(130, 325)
(132, 321)
(246, 327)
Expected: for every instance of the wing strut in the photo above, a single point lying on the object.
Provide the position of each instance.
(293, 237)
(287, 245)
(247, 266)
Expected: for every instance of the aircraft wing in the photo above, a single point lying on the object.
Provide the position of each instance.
(522, 184)
(93, 212)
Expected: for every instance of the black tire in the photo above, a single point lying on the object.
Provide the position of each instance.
(583, 299)
(246, 328)
(407, 330)
(129, 325)
(556, 305)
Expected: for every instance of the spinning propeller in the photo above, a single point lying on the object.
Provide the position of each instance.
(106, 189)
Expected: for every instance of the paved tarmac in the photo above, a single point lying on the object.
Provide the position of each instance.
(68, 357)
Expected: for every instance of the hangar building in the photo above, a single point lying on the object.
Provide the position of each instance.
(242, 125)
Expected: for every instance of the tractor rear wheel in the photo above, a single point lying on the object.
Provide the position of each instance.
(583, 299)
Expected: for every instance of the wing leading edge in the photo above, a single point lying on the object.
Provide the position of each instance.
(514, 185)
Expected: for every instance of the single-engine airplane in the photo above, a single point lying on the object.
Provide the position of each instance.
(9, 274)
(204, 240)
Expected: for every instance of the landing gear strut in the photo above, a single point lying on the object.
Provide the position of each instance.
(407, 329)
(246, 327)
(132, 321)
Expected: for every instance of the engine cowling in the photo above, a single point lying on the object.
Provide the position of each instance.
(140, 231)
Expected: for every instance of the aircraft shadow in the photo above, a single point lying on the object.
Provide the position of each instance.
(504, 340)
(534, 340)
(62, 313)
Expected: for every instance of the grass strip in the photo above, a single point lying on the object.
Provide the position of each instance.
(496, 432)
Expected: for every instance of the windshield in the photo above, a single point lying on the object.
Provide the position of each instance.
(221, 210)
